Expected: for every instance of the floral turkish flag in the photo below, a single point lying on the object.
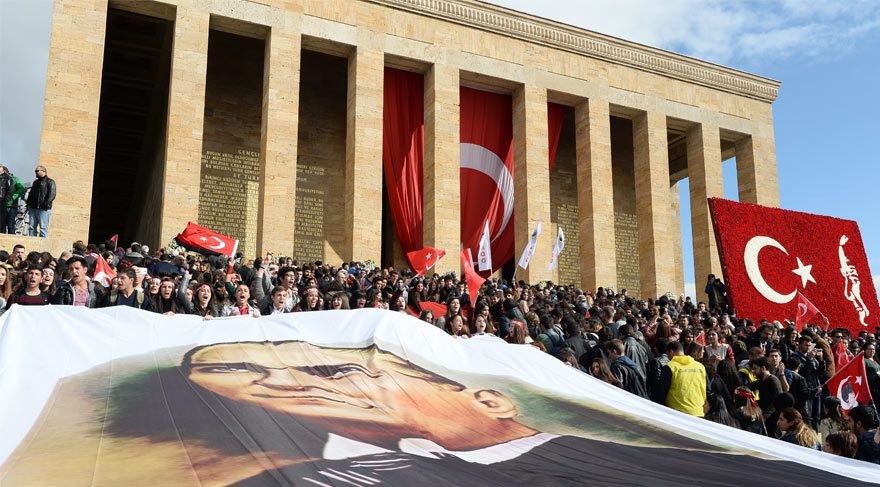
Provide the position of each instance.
(769, 255)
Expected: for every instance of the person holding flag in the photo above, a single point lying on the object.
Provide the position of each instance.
(850, 384)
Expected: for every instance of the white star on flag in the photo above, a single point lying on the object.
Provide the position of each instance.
(429, 255)
(805, 273)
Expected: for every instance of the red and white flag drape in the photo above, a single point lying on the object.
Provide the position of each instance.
(487, 172)
(403, 153)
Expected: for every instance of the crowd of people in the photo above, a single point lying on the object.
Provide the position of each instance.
(698, 358)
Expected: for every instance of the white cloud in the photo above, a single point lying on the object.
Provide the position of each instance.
(749, 34)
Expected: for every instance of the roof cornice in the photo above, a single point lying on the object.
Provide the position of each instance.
(510, 23)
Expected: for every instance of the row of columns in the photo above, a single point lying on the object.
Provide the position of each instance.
(363, 164)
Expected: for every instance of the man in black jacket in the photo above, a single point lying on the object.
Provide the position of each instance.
(39, 202)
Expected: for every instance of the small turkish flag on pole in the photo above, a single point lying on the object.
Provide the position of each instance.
(115, 240)
(423, 260)
(850, 384)
(205, 241)
(474, 280)
(805, 312)
(103, 273)
(484, 254)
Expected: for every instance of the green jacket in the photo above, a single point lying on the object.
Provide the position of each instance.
(17, 192)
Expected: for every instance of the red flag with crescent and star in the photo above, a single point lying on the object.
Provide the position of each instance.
(805, 312)
(486, 167)
(422, 260)
(204, 241)
(769, 255)
(850, 384)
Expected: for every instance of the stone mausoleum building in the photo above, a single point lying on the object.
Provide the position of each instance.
(263, 119)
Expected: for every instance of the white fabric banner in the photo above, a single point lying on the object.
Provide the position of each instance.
(120, 396)
(529, 251)
(557, 249)
(484, 254)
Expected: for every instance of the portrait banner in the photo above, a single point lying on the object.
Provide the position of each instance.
(121, 396)
(769, 255)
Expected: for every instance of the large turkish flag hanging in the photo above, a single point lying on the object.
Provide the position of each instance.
(487, 172)
(769, 255)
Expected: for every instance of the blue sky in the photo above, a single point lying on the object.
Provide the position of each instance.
(826, 53)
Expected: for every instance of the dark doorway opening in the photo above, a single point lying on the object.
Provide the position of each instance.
(130, 148)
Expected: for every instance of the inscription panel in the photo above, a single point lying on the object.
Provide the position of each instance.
(229, 195)
(626, 233)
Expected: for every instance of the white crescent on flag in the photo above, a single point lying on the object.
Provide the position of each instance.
(220, 243)
(750, 254)
(479, 158)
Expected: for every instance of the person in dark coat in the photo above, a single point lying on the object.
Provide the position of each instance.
(625, 369)
(39, 202)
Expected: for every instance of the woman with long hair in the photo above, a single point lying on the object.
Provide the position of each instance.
(600, 369)
(718, 412)
(725, 373)
(453, 307)
(747, 412)
(843, 444)
(427, 316)
(242, 304)
(311, 299)
(833, 419)
(165, 302)
(5, 285)
(457, 327)
(791, 423)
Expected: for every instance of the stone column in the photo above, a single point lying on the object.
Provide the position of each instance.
(651, 165)
(675, 228)
(756, 169)
(186, 121)
(441, 181)
(70, 115)
(595, 195)
(531, 182)
(363, 154)
(279, 141)
(706, 181)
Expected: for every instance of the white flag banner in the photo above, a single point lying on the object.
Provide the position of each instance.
(484, 254)
(120, 396)
(529, 251)
(557, 249)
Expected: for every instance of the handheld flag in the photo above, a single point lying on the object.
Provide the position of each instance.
(474, 280)
(423, 260)
(205, 241)
(557, 249)
(484, 254)
(850, 384)
(806, 311)
(115, 240)
(529, 251)
(103, 273)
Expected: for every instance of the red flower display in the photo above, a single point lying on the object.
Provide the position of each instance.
(768, 255)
